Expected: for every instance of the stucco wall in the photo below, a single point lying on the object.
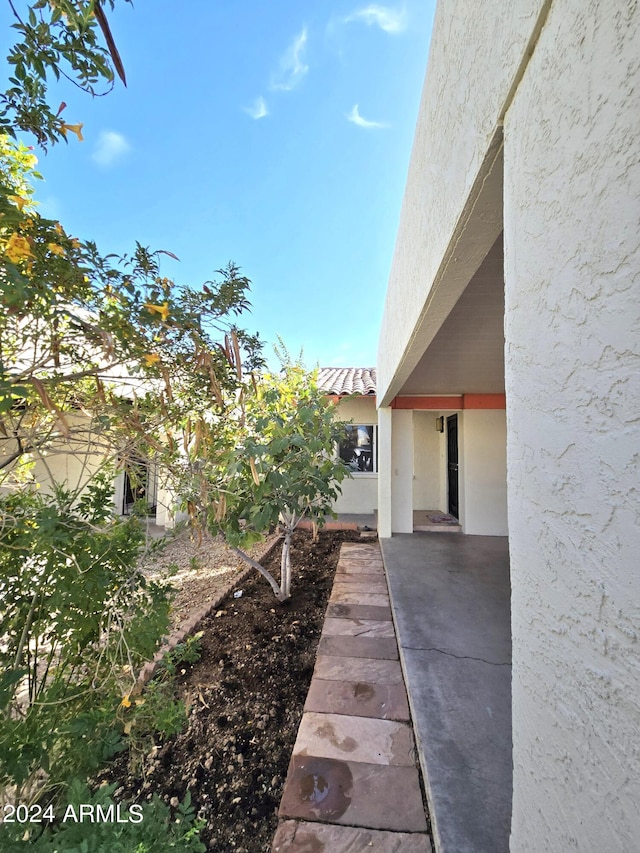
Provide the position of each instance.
(360, 493)
(402, 448)
(572, 261)
(475, 56)
(427, 461)
(483, 468)
(70, 461)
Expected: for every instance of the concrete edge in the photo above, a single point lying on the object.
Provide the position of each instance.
(418, 740)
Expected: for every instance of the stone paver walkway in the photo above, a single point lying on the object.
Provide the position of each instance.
(353, 781)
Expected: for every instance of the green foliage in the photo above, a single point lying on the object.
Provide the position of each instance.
(145, 719)
(285, 466)
(281, 466)
(69, 38)
(103, 361)
(77, 623)
(157, 714)
(109, 337)
(187, 652)
(157, 832)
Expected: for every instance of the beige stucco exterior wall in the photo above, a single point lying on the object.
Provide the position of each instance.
(428, 457)
(385, 477)
(402, 448)
(477, 50)
(360, 493)
(572, 270)
(395, 480)
(483, 472)
(71, 461)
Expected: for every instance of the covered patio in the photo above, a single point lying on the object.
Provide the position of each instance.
(450, 599)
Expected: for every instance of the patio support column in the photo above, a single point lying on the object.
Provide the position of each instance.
(402, 471)
(385, 421)
(395, 471)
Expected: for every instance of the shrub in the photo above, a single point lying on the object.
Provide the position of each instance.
(77, 623)
(148, 828)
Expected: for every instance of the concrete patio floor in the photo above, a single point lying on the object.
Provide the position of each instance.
(450, 597)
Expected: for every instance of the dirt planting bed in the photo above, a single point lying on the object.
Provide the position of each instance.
(244, 698)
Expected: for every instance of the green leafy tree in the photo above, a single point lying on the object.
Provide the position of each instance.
(281, 469)
(102, 359)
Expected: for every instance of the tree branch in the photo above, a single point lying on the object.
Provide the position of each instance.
(265, 574)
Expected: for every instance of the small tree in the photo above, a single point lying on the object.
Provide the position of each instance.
(282, 469)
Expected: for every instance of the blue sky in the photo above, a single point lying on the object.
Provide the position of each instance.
(274, 134)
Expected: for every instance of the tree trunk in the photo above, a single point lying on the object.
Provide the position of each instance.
(285, 567)
(265, 574)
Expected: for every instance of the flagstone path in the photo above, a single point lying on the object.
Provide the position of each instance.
(353, 780)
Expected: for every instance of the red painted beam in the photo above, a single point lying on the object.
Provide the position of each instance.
(447, 404)
(436, 404)
(484, 401)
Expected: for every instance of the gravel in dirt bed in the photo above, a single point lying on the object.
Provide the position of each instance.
(244, 697)
(198, 568)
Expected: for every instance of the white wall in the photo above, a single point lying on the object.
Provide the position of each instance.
(71, 461)
(474, 61)
(402, 472)
(572, 261)
(395, 494)
(483, 471)
(427, 466)
(385, 476)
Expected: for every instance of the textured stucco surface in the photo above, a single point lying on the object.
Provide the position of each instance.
(465, 90)
(385, 495)
(572, 262)
(482, 443)
(402, 472)
(428, 461)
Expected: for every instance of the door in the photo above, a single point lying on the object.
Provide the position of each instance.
(140, 484)
(452, 464)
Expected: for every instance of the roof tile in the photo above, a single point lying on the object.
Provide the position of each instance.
(347, 380)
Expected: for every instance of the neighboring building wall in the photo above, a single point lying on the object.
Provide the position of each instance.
(73, 462)
(483, 472)
(572, 261)
(70, 461)
(360, 493)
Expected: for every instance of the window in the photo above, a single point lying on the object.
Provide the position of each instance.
(358, 448)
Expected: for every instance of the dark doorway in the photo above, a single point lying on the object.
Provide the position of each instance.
(139, 487)
(452, 464)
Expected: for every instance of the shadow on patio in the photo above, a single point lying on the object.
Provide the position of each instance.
(450, 598)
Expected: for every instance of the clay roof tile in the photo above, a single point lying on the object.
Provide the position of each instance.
(343, 381)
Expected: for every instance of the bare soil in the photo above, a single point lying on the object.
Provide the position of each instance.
(244, 697)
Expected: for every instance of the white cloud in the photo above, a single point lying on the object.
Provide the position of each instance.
(110, 148)
(292, 67)
(355, 117)
(258, 108)
(390, 20)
